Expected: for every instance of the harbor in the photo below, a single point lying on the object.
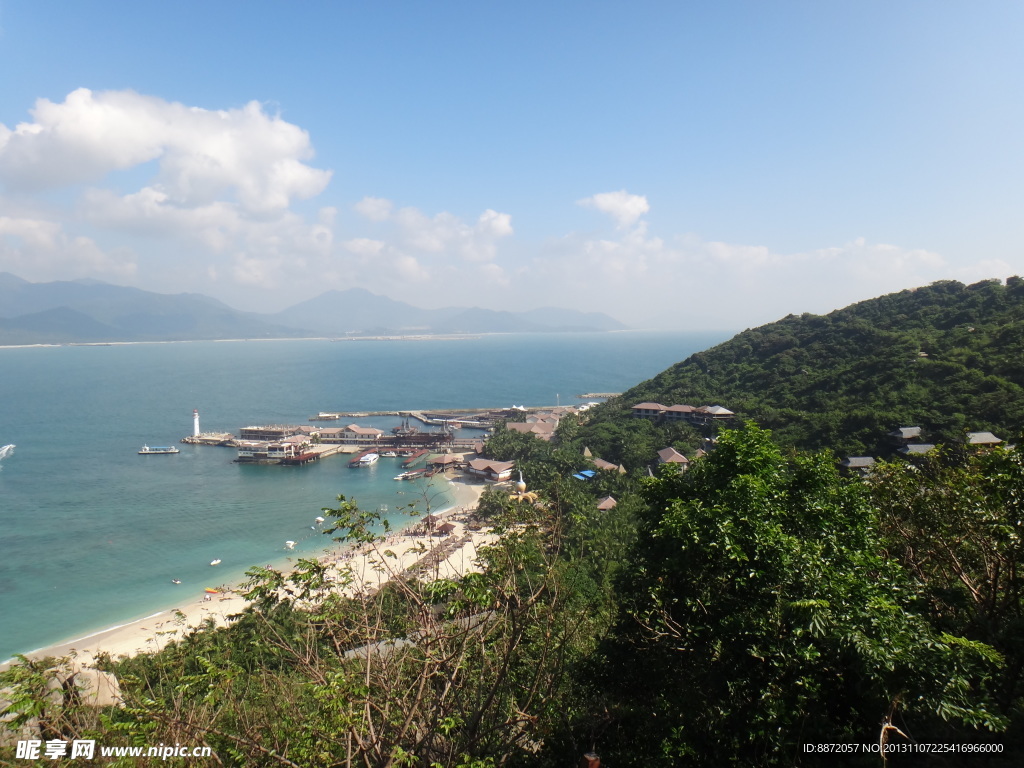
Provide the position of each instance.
(448, 431)
(140, 521)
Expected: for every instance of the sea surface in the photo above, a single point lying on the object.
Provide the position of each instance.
(92, 534)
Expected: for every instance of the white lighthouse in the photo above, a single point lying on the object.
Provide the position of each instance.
(195, 422)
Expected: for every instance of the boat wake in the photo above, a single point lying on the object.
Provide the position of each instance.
(6, 451)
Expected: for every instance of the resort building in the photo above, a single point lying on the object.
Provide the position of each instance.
(648, 410)
(701, 416)
(905, 435)
(916, 449)
(355, 433)
(445, 460)
(272, 451)
(545, 430)
(495, 471)
(672, 456)
(607, 466)
(271, 433)
(860, 466)
(332, 435)
(679, 412)
(982, 440)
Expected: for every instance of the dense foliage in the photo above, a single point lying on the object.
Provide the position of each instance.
(764, 614)
(947, 357)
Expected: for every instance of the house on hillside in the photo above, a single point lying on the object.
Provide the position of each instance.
(608, 502)
(905, 435)
(543, 430)
(607, 466)
(672, 456)
(679, 413)
(710, 413)
(916, 449)
(648, 410)
(858, 466)
(982, 440)
(702, 416)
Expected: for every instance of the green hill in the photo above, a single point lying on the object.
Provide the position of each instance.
(947, 357)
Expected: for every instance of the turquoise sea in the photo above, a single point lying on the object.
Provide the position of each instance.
(92, 533)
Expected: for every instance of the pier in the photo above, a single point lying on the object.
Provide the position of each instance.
(476, 418)
(414, 457)
(297, 445)
(209, 438)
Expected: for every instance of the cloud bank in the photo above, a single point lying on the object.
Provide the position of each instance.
(136, 189)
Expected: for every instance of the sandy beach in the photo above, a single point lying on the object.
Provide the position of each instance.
(430, 556)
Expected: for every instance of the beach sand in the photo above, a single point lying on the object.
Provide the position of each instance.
(370, 567)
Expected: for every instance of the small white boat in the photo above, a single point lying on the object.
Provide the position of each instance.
(389, 454)
(289, 544)
(320, 520)
(215, 562)
(148, 450)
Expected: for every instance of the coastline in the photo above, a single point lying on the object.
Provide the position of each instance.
(467, 336)
(369, 566)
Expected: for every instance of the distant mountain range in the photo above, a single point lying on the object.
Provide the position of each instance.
(93, 311)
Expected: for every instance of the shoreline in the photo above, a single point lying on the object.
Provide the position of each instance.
(377, 337)
(153, 631)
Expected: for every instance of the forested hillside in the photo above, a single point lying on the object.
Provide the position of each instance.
(947, 357)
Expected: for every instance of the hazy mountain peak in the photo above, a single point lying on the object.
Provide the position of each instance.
(87, 309)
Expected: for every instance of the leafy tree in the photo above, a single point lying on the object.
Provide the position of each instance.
(764, 615)
(956, 522)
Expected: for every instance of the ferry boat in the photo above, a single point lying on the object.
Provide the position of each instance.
(368, 459)
(151, 449)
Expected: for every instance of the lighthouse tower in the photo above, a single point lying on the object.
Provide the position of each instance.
(195, 422)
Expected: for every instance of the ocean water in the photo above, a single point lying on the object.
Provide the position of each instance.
(92, 533)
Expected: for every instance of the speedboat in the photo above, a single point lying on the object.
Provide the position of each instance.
(215, 562)
(289, 544)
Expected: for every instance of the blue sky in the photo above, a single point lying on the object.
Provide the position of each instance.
(675, 164)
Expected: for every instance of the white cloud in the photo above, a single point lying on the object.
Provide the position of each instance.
(445, 234)
(625, 208)
(202, 155)
(494, 224)
(374, 208)
(689, 282)
(40, 250)
(363, 246)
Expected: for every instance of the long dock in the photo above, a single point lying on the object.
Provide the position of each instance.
(484, 417)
